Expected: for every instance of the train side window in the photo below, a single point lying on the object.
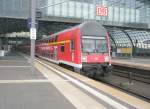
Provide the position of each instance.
(72, 45)
(62, 48)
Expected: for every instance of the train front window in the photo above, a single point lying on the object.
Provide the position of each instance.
(101, 45)
(94, 45)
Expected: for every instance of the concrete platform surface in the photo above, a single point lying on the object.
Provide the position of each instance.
(20, 88)
(32, 96)
(16, 67)
(50, 88)
(139, 63)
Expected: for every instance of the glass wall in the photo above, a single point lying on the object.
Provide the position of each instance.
(119, 11)
(14, 8)
(19, 8)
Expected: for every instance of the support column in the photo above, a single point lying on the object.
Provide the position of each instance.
(33, 32)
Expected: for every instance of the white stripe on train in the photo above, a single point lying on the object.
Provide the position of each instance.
(62, 61)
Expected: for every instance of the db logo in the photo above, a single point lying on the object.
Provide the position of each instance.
(101, 11)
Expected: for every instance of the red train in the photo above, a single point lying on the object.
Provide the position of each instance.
(84, 47)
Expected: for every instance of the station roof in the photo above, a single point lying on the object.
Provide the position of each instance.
(130, 38)
(8, 25)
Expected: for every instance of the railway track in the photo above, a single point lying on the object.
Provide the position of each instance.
(131, 83)
(132, 75)
(119, 84)
(129, 90)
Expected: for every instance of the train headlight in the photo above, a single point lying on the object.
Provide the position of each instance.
(106, 59)
(84, 58)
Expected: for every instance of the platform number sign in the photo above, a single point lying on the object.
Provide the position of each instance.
(32, 33)
(101, 11)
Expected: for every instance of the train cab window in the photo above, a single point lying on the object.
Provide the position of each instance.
(62, 48)
(94, 45)
(72, 45)
(88, 45)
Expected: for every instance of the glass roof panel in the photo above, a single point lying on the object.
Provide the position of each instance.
(139, 37)
(120, 38)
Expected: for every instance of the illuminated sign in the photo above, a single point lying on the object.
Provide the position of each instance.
(101, 11)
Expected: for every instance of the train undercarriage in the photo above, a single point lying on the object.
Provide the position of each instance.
(97, 70)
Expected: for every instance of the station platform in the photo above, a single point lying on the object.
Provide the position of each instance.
(138, 63)
(49, 88)
(20, 88)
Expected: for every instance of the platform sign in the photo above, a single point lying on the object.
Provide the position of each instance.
(101, 11)
(32, 33)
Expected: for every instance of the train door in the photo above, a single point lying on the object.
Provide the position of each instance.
(72, 47)
(55, 52)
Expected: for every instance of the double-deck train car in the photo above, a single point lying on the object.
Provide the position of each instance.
(84, 47)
